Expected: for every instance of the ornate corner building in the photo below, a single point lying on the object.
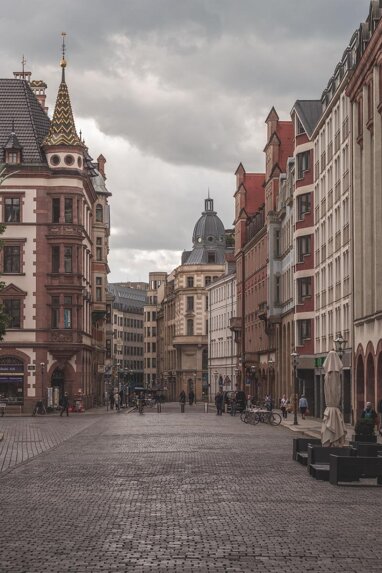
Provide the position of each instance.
(54, 203)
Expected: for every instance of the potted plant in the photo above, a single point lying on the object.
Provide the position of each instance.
(364, 431)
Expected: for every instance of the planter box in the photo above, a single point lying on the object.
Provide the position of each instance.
(365, 439)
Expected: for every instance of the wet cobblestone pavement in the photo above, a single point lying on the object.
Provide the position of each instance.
(176, 492)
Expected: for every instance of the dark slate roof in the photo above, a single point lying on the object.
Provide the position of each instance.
(309, 111)
(127, 298)
(18, 103)
(12, 142)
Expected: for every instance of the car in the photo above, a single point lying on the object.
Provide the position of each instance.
(241, 401)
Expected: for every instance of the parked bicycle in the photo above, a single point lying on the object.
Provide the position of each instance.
(254, 416)
(39, 409)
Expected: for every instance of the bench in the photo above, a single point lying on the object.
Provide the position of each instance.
(300, 448)
(318, 463)
(353, 468)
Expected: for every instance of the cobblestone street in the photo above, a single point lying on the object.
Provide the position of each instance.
(171, 492)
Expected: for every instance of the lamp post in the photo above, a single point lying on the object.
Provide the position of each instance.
(340, 343)
(216, 374)
(253, 374)
(270, 366)
(42, 367)
(295, 358)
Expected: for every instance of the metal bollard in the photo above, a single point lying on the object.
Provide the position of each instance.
(206, 408)
(159, 407)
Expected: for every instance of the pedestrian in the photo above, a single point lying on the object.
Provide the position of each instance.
(182, 400)
(121, 397)
(283, 406)
(268, 403)
(219, 399)
(370, 414)
(111, 399)
(65, 404)
(303, 405)
(233, 403)
(116, 400)
(191, 397)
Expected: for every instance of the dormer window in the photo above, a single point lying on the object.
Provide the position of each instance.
(99, 214)
(12, 156)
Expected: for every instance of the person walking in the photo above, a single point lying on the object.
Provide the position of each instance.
(233, 403)
(219, 399)
(182, 401)
(65, 404)
(283, 406)
(116, 400)
(191, 397)
(303, 405)
(370, 414)
(111, 399)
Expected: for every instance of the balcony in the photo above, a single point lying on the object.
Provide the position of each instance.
(192, 340)
(235, 323)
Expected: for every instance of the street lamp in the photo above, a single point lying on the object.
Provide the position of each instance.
(216, 374)
(295, 357)
(42, 366)
(340, 343)
(270, 366)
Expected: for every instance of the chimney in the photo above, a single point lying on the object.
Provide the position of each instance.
(38, 87)
(101, 165)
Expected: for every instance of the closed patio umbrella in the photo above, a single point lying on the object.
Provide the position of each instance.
(333, 428)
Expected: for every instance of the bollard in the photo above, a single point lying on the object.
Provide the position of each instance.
(159, 407)
(182, 407)
(206, 408)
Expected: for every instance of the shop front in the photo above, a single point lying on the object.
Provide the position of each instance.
(12, 381)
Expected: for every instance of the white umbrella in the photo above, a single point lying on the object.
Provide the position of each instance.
(333, 428)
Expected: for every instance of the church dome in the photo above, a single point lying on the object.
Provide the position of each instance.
(209, 240)
(209, 230)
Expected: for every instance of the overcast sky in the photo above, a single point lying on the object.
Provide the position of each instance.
(174, 93)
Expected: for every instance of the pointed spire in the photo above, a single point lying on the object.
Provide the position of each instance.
(62, 128)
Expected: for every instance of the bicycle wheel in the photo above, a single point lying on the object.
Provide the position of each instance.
(255, 418)
(244, 417)
(274, 419)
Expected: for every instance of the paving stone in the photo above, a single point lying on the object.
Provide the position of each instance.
(173, 492)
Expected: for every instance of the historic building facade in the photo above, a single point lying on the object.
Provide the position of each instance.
(222, 349)
(156, 279)
(183, 314)
(49, 201)
(305, 114)
(365, 93)
(333, 232)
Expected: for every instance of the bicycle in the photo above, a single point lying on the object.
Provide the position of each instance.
(149, 402)
(267, 417)
(39, 409)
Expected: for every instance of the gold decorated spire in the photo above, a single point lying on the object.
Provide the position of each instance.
(62, 128)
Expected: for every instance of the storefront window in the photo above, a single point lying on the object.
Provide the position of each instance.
(11, 380)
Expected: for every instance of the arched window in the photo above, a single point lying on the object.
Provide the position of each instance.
(99, 214)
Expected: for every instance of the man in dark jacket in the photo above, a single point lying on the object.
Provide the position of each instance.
(191, 397)
(182, 400)
(65, 404)
(219, 400)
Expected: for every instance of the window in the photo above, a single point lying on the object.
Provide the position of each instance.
(304, 331)
(211, 257)
(190, 282)
(207, 281)
(303, 247)
(12, 156)
(12, 309)
(55, 312)
(68, 259)
(98, 289)
(302, 164)
(55, 259)
(12, 210)
(67, 312)
(55, 210)
(99, 214)
(304, 286)
(190, 304)
(303, 204)
(277, 290)
(99, 249)
(190, 327)
(12, 259)
(300, 127)
(277, 244)
(68, 210)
